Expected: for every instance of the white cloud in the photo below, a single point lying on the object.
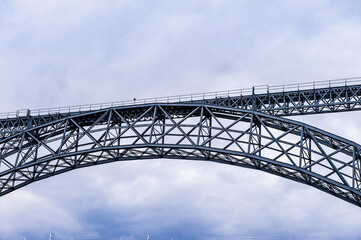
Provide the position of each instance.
(70, 52)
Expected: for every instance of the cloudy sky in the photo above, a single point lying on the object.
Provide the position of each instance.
(59, 53)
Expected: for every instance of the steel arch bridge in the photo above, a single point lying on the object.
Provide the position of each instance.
(246, 130)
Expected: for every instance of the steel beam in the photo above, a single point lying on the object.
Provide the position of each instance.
(194, 131)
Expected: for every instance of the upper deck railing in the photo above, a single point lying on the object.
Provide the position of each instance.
(261, 89)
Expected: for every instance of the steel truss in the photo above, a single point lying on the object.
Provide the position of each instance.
(296, 102)
(232, 136)
(278, 103)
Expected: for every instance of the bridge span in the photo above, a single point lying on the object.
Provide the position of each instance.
(248, 130)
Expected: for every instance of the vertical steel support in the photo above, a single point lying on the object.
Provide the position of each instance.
(250, 134)
(254, 100)
(209, 119)
(258, 129)
(259, 138)
(162, 128)
(153, 123)
(305, 151)
(254, 140)
(119, 132)
(200, 126)
(347, 98)
(356, 173)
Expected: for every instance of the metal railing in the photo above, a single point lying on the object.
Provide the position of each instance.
(186, 98)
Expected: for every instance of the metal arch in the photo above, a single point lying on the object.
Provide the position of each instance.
(238, 137)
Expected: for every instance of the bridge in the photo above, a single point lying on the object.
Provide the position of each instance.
(246, 128)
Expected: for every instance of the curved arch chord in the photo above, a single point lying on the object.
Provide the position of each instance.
(238, 137)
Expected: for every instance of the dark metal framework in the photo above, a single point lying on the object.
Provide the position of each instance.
(194, 131)
(296, 102)
(277, 103)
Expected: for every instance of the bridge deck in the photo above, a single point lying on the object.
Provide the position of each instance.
(281, 100)
(299, 102)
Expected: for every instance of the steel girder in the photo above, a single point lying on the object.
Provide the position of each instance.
(297, 102)
(285, 103)
(232, 136)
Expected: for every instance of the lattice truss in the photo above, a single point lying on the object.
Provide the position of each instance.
(286, 103)
(183, 131)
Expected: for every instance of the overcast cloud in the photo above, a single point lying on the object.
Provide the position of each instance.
(56, 53)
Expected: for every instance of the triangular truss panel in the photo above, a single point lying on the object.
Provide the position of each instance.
(243, 133)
